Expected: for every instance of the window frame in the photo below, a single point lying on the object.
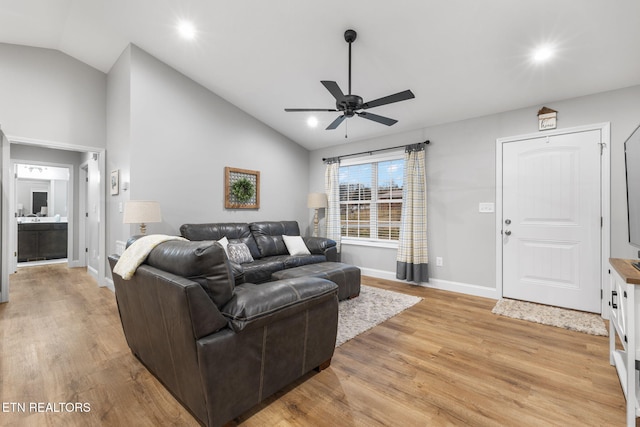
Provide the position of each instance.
(372, 158)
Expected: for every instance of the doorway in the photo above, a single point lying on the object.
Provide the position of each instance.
(552, 220)
(96, 173)
(44, 221)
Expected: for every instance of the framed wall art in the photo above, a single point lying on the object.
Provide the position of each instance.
(115, 182)
(241, 188)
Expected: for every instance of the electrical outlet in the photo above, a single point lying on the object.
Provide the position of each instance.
(438, 261)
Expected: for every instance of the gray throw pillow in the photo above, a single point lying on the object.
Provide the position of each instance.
(239, 252)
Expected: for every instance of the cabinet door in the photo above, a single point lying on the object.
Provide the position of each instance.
(52, 244)
(618, 304)
(27, 245)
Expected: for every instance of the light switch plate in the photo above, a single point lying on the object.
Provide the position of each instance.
(486, 207)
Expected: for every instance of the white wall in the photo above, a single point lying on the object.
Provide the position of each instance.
(176, 141)
(461, 174)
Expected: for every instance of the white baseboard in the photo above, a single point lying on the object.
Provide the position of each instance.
(93, 273)
(74, 263)
(109, 284)
(445, 285)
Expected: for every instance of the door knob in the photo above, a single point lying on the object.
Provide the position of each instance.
(508, 232)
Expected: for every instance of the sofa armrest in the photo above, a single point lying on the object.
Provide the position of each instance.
(254, 306)
(238, 272)
(322, 246)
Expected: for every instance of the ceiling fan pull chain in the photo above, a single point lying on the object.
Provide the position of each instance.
(346, 129)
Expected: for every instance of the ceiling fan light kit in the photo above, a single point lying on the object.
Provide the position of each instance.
(352, 104)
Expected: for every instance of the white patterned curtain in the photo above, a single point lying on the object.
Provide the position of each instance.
(412, 259)
(332, 188)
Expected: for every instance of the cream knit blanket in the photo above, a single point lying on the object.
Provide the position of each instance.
(135, 254)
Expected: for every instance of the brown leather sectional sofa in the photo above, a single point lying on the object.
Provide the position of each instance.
(266, 244)
(218, 347)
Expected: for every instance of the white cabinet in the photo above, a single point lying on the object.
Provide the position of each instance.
(625, 323)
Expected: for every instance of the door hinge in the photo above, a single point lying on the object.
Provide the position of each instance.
(601, 222)
(86, 250)
(601, 294)
(86, 214)
(602, 146)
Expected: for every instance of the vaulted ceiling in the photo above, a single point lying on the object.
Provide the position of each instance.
(461, 58)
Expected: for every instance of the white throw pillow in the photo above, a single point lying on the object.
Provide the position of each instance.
(224, 242)
(295, 245)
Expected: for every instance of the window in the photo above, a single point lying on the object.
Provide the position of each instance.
(371, 199)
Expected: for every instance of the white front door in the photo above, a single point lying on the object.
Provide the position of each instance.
(551, 220)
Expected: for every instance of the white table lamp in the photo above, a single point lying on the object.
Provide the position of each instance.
(141, 212)
(316, 201)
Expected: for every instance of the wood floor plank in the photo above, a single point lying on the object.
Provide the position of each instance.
(446, 361)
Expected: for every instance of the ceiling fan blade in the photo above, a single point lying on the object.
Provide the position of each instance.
(334, 89)
(334, 124)
(299, 110)
(396, 97)
(376, 118)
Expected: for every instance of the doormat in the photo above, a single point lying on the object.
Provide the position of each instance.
(580, 321)
(372, 307)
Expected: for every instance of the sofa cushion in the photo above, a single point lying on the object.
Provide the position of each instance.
(260, 270)
(203, 262)
(239, 253)
(268, 236)
(295, 245)
(297, 260)
(255, 306)
(233, 231)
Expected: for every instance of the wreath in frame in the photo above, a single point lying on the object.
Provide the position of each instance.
(243, 190)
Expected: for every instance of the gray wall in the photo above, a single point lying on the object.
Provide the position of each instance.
(118, 144)
(180, 137)
(52, 98)
(48, 95)
(461, 174)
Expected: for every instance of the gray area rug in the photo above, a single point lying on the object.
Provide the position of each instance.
(372, 307)
(580, 321)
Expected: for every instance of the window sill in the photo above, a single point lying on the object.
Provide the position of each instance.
(371, 243)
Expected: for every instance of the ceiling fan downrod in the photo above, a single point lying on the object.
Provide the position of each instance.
(350, 36)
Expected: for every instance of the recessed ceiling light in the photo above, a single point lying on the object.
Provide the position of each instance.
(312, 122)
(543, 53)
(187, 30)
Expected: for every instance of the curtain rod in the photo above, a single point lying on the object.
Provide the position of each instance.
(324, 159)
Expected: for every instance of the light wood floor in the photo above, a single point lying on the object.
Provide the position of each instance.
(445, 361)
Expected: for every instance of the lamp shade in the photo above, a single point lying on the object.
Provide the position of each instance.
(317, 200)
(141, 212)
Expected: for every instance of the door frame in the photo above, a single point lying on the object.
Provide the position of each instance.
(9, 208)
(605, 180)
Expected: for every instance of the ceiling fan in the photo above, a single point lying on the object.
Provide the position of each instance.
(351, 104)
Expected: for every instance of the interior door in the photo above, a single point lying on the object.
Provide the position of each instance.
(551, 220)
